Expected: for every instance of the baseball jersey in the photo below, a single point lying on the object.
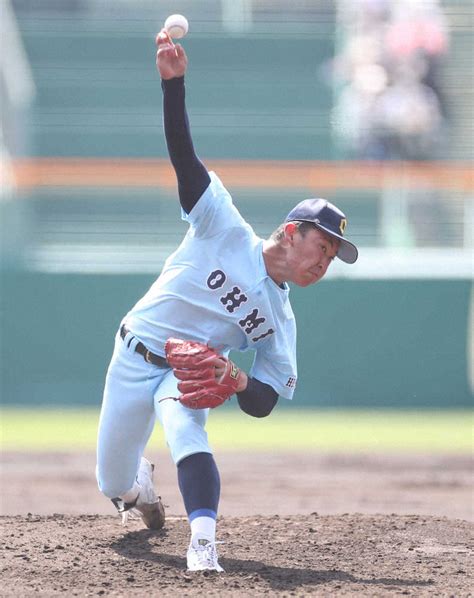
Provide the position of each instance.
(215, 289)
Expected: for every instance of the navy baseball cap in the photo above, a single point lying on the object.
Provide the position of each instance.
(331, 220)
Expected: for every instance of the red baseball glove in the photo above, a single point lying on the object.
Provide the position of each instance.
(207, 379)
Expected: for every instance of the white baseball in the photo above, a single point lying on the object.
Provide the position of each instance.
(177, 26)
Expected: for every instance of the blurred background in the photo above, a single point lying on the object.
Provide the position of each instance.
(368, 103)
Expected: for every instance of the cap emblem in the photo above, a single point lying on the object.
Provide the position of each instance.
(342, 225)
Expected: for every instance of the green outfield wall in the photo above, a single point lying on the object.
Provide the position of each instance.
(385, 343)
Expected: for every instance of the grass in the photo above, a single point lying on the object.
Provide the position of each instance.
(358, 430)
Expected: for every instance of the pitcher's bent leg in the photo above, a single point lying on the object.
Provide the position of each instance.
(126, 423)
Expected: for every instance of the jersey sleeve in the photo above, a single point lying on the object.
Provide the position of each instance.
(214, 212)
(275, 361)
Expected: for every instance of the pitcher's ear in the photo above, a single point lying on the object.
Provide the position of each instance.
(290, 229)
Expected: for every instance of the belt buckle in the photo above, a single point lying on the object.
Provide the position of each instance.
(147, 357)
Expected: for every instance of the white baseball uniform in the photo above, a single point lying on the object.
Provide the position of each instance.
(214, 289)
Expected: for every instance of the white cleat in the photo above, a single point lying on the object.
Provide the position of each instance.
(147, 504)
(202, 556)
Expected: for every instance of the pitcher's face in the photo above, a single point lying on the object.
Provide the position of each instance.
(309, 254)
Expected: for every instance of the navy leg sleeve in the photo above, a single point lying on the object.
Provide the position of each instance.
(199, 483)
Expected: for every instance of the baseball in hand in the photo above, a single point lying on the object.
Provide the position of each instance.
(177, 26)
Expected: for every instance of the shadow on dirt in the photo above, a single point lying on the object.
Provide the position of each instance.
(136, 546)
(288, 578)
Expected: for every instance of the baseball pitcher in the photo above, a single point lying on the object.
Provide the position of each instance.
(223, 288)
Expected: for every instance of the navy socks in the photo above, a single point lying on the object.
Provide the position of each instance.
(199, 483)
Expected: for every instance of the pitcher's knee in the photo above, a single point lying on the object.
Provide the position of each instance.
(185, 438)
(112, 486)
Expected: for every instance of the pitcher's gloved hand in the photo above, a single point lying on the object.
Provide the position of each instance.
(207, 379)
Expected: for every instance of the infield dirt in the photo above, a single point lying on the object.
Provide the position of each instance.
(291, 525)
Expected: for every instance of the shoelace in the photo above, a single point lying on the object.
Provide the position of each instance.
(207, 554)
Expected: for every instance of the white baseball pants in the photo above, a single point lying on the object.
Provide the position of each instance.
(133, 389)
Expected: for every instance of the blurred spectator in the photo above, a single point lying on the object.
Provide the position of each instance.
(389, 104)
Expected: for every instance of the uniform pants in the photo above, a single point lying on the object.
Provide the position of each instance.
(131, 404)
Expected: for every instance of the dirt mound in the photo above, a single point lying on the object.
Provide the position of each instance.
(366, 555)
(292, 483)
